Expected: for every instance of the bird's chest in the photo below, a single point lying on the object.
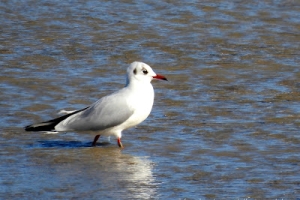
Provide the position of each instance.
(141, 104)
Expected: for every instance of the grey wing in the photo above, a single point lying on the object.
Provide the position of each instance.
(108, 112)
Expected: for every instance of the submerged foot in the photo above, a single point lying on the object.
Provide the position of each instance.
(95, 140)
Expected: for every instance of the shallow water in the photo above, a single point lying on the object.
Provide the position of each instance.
(224, 126)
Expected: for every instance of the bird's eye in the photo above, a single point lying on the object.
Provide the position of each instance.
(145, 71)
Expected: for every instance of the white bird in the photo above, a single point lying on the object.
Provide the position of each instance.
(111, 114)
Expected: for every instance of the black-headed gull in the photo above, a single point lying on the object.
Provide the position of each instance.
(111, 114)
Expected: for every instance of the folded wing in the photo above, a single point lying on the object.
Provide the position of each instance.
(108, 112)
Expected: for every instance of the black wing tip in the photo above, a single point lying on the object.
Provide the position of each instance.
(36, 128)
(43, 126)
(31, 128)
(27, 128)
(50, 125)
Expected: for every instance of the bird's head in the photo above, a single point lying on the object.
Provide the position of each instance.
(142, 72)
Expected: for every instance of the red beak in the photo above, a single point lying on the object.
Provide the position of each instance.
(161, 77)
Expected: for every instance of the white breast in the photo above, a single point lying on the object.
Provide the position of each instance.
(141, 101)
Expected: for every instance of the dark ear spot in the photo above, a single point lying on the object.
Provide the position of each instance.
(134, 71)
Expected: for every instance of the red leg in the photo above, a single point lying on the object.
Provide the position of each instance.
(120, 143)
(95, 140)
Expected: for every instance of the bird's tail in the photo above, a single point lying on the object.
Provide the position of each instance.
(49, 126)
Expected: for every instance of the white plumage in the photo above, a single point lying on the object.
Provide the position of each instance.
(111, 114)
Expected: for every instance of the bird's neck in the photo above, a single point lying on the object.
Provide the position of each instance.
(141, 95)
(139, 86)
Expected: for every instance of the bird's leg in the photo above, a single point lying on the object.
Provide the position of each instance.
(95, 140)
(120, 143)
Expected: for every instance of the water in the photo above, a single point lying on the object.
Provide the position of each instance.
(224, 126)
